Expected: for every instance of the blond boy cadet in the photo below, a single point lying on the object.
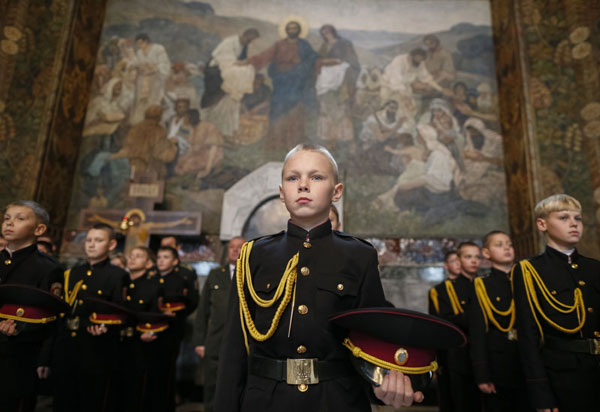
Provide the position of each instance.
(211, 316)
(144, 294)
(492, 335)
(85, 353)
(453, 269)
(557, 298)
(319, 273)
(24, 347)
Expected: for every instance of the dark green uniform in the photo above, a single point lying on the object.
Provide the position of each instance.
(336, 272)
(562, 369)
(209, 325)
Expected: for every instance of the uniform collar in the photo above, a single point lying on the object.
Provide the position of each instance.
(550, 251)
(498, 272)
(322, 230)
(21, 252)
(100, 264)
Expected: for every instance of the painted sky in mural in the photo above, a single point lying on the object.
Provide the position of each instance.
(203, 93)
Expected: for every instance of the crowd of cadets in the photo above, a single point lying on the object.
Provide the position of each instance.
(533, 332)
(532, 327)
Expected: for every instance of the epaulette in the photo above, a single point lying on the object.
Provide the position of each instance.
(347, 235)
(273, 235)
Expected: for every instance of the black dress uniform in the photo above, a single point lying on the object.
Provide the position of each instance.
(209, 325)
(138, 358)
(561, 367)
(445, 402)
(494, 352)
(453, 306)
(191, 281)
(20, 355)
(84, 365)
(335, 272)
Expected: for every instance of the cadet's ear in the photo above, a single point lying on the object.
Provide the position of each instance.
(541, 224)
(281, 196)
(486, 253)
(337, 192)
(40, 229)
(112, 245)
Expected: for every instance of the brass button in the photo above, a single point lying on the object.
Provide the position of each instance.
(89, 273)
(73, 334)
(303, 309)
(81, 301)
(141, 301)
(307, 245)
(217, 287)
(574, 265)
(84, 286)
(305, 271)
(131, 285)
(99, 292)
(301, 349)
(581, 283)
(268, 285)
(596, 334)
(162, 281)
(128, 298)
(497, 298)
(462, 302)
(591, 310)
(303, 387)
(340, 287)
(553, 292)
(7, 262)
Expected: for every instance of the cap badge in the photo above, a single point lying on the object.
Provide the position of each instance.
(401, 356)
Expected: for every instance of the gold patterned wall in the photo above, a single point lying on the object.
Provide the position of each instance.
(47, 54)
(547, 57)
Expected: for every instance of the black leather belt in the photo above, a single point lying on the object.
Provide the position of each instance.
(589, 346)
(278, 369)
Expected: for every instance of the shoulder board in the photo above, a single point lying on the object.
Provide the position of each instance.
(349, 236)
(267, 236)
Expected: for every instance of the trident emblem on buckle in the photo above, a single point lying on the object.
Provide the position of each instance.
(302, 372)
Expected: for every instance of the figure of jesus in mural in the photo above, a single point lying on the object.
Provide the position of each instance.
(291, 67)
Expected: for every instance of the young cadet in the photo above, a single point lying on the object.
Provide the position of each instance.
(492, 335)
(557, 298)
(188, 273)
(176, 303)
(210, 319)
(453, 302)
(144, 295)
(85, 352)
(453, 269)
(21, 342)
(279, 350)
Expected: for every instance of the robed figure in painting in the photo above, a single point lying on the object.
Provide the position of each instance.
(292, 70)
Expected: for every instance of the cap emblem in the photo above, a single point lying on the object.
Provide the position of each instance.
(401, 356)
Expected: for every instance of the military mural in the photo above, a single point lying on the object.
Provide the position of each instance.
(202, 93)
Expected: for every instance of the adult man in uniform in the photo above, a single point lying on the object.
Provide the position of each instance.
(210, 319)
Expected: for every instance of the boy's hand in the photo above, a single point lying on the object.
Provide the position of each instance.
(200, 350)
(97, 330)
(548, 410)
(43, 372)
(396, 390)
(8, 327)
(148, 336)
(487, 388)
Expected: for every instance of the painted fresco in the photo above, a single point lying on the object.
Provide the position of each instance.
(201, 94)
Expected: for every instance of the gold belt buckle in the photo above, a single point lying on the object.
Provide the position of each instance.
(302, 371)
(73, 323)
(595, 346)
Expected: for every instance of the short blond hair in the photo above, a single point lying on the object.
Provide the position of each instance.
(556, 203)
(313, 148)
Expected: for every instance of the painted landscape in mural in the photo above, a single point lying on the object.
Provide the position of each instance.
(201, 94)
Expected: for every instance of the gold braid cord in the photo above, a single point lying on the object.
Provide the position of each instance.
(358, 353)
(454, 301)
(286, 288)
(70, 297)
(530, 276)
(433, 295)
(488, 308)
